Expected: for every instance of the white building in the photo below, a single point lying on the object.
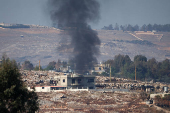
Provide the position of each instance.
(71, 82)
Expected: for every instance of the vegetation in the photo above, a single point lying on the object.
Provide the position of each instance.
(16, 26)
(56, 65)
(163, 101)
(144, 42)
(122, 66)
(144, 96)
(14, 96)
(27, 65)
(37, 68)
(149, 27)
(51, 66)
(110, 27)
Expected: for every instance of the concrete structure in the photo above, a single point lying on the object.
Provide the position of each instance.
(75, 81)
(99, 68)
(149, 88)
(152, 96)
(53, 89)
(47, 88)
(42, 89)
(71, 82)
(165, 89)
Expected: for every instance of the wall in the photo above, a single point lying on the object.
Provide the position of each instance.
(61, 83)
(160, 94)
(83, 83)
(39, 89)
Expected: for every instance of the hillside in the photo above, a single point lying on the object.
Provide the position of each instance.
(36, 44)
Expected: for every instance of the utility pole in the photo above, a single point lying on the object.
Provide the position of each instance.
(39, 65)
(74, 68)
(110, 73)
(135, 72)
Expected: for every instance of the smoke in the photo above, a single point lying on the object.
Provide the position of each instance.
(74, 15)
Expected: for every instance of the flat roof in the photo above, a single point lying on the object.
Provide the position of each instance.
(49, 86)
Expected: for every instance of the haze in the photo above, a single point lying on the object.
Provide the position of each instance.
(112, 11)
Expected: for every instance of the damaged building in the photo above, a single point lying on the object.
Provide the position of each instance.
(75, 81)
(69, 82)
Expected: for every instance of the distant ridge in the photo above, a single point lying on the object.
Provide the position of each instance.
(40, 43)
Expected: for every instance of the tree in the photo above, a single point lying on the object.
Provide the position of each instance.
(110, 27)
(51, 65)
(122, 28)
(149, 27)
(140, 62)
(120, 61)
(152, 66)
(127, 59)
(18, 65)
(130, 28)
(164, 70)
(129, 71)
(138, 58)
(37, 68)
(155, 27)
(143, 28)
(104, 74)
(141, 70)
(116, 27)
(14, 96)
(27, 65)
(136, 28)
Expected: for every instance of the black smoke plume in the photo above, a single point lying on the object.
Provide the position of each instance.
(74, 15)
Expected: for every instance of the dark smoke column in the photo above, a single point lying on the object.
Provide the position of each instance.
(76, 14)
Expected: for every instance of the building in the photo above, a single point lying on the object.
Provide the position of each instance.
(165, 89)
(99, 68)
(148, 88)
(71, 82)
(75, 81)
(47, 88)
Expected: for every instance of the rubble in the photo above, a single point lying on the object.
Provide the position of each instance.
(101, 100)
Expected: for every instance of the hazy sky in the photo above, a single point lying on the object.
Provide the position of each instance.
(112, 11)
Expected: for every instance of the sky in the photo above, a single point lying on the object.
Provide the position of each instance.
(112, 11)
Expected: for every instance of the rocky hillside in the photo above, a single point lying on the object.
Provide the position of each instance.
(36, 44)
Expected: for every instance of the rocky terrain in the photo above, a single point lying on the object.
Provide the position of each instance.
(93, 102)
(36, 44)
(100, 100)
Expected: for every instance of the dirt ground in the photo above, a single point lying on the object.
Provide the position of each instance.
(93, 102)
